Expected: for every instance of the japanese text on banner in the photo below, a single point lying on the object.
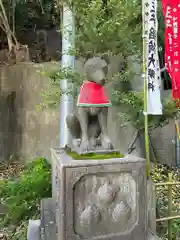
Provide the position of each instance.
(171, 11)
(154, 105)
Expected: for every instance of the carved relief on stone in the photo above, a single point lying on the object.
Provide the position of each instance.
(105, 204)
(121, 213)
(57, 184)
(90, 216)
(106, 193)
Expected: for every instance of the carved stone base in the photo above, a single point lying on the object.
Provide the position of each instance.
(152, 236)
(151, 205)
(48, 223)
(98, 199)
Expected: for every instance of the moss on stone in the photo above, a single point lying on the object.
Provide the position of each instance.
(95, 156)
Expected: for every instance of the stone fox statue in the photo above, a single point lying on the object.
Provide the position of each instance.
(89, 129)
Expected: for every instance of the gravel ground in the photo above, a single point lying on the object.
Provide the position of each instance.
(11, 170)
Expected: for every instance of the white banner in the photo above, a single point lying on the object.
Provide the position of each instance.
(153, 76)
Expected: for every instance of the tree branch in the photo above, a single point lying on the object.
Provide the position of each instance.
(6, 28)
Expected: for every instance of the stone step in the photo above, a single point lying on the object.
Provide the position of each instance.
(48, 220)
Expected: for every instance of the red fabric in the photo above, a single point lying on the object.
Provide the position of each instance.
(171, 11)
(92, 94)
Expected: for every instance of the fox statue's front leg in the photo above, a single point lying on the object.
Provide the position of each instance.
(74, 128)
(83, 120)
(105, 140)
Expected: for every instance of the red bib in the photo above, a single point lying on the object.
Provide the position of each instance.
(92, 94)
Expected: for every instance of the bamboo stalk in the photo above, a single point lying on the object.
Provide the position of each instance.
(167, 218)
(144, 70)
(167, 184)
(170, 207)
(177, 129)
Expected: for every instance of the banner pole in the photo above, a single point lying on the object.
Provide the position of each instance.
(68, 61)
(144, 75)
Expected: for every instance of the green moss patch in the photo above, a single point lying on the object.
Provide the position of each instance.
(95, 156)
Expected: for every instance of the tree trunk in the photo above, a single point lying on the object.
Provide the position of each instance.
(10, 42)
(6, 28)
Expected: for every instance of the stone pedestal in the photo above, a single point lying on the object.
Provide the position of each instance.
(100, 199)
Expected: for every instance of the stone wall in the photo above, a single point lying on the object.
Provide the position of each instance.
(28, 133)
(23, 130)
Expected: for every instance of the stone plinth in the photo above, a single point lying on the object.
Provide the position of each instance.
(100, 199)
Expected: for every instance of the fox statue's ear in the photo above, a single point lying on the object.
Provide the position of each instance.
(88, 56)
(105, 57)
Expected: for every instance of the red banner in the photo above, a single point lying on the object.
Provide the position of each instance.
(171, 11)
